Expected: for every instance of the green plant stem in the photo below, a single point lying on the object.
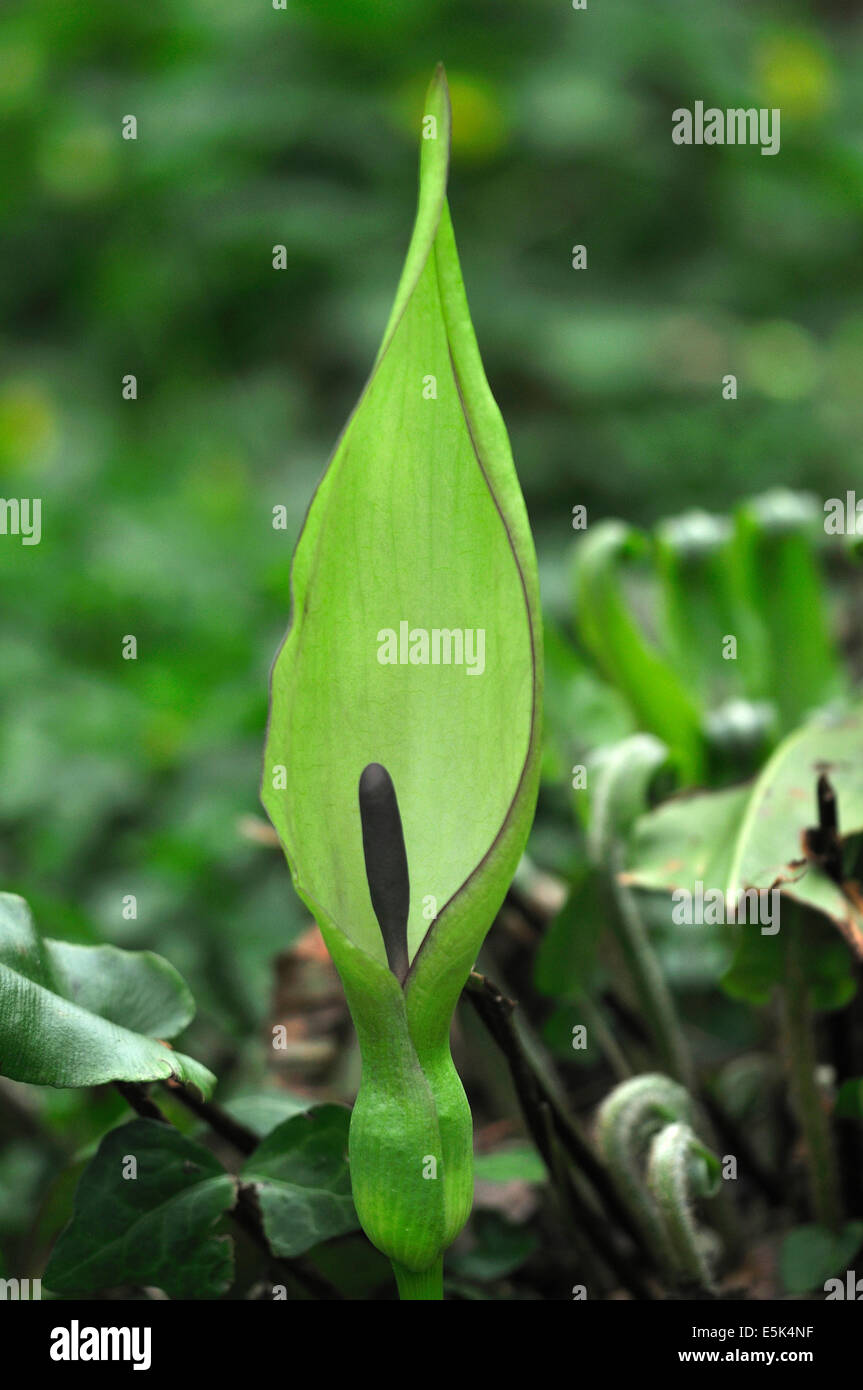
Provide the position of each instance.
(604, 1036)
(658, 1005)
(427, 1285)
(802, 1059)
(653, 993)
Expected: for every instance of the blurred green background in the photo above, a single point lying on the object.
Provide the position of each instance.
(259, 127)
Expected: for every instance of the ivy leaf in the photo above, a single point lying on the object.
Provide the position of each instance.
(262, 1111)
(84, 1015)
(153, 1228)
(501, 1248)
(811, 1255)
(302, 1181)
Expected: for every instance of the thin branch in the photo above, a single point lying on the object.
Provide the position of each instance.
(218, 1120)
(814, 1123)
(572, 1204)
(735, 1138)
(536, 1099)
(136, 1096)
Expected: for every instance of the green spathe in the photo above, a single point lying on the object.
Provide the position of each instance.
(419, 513)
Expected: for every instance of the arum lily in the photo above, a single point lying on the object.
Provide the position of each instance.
(402, 756)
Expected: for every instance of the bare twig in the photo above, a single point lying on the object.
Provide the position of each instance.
(218, 1120)
(734, 1136)
(536, 1100)
(136, 1096)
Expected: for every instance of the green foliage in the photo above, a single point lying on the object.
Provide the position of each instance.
(659, 699)
(751, 837)
(117, 777)
(300, 1177)
(812, 1254)
(724, 638)
(703, 599)
(501, 1248)
(679, 1170)
(849, 1102)
(780, 568)
(80, 1016)
(153, 1227)
(660, 1166)
(519, 1163)
(566, 959)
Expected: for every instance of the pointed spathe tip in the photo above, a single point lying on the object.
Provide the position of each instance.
(438, 87)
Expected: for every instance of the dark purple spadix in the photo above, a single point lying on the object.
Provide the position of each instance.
(828, 814)
(386, 864)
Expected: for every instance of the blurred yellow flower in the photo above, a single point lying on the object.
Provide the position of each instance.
(795, 74)
(28, 430)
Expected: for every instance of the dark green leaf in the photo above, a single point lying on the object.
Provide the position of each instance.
(155, 1228)
(501, 1248)
(567, 953)
(812, 1254)
(301, 1177)
(264, 1110)
(84, 1015)
(849, 1102)
(520, 1163)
